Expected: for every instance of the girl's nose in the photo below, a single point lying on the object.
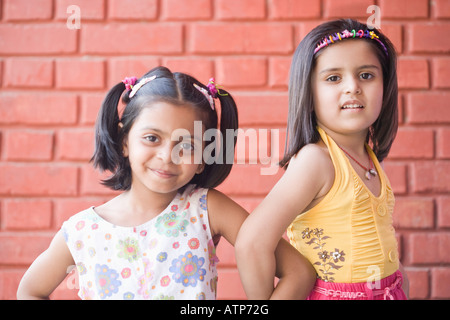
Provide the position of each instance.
(352, 86)
(165, 153)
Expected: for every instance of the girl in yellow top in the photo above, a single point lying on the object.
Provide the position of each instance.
(334, 199)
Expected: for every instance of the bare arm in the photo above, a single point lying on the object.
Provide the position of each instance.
(47, 271)
(309, 177)
(226, 218)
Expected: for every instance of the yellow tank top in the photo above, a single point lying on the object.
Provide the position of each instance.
(348, 236)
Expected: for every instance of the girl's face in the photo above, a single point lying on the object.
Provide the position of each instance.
(347, 85)
(161, 146)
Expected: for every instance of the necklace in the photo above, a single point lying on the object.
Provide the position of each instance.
(369, 171)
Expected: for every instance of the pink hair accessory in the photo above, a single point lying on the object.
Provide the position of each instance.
(139, 85)
(212, 87)
(347, 34)
(129, 82)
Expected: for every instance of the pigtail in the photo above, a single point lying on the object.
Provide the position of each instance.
(108, 149)
(228, 129)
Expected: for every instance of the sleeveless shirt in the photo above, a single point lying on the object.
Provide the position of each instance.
(171, 256)
(348, 236)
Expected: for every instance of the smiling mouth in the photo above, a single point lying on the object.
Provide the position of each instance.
(353, 106)
(162, 173)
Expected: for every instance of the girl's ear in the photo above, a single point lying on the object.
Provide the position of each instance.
(125, 145)
(200, 168)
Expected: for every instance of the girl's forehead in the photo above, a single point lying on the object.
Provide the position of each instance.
(348, 53)
(167, 117)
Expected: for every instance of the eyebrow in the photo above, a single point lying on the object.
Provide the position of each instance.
(159, 131)
(366, 66)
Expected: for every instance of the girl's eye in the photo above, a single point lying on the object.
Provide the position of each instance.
(151, 138)
(187, 146)
(333, 78)
(366, 76)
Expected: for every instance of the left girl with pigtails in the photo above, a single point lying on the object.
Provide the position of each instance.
(157, 239)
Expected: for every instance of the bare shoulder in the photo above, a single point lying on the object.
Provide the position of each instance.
(314, 155)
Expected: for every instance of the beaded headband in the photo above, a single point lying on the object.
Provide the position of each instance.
(347, 34)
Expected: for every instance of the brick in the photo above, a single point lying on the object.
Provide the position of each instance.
(413, 212)
(90, 106)
(36, 180)
(75, 144)
(430, 176)
(413, 144)
(28, 145)
(442, 9)
(428, 248)
(427, 37)
(404, 9)
(22, 249)
(240, 9)
(91, 182)
(427, 108)
(241, 38)
(22, 39)
(186, 10)
(38, 108)
(419, 283)
(247, 180)
(279, 72)
(346, 8)
(9, 280)
(200, 68)
(131, 38)
(17, 10)
(443, 211)
(119, 68)
(262, 109)
(28, 73)
(132, 10)
(294, 9)
(441, 73)
(397, 176)
(27, 214)
(413, 74)
(442, 145)
(229, 285)
(90, 10)
(440, 283)
(395, 33)
(79, 74)
(242, 72)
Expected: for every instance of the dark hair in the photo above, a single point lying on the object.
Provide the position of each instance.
(174, 88)
(301, 125)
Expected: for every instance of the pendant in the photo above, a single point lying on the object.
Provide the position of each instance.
(370, 173)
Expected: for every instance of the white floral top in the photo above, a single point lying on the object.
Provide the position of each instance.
(172, 256)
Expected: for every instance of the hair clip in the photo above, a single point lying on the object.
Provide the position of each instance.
(143, 81)
(213, 88)
(347, 34)
(206, 94)
(129, 82)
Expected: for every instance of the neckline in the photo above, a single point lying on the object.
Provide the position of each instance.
(140, 226)
(375, 163)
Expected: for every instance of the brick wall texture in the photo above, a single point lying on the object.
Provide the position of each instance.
(53, 78)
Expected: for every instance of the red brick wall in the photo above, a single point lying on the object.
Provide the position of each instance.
(53, 80)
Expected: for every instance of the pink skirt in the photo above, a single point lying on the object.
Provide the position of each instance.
(389, 288)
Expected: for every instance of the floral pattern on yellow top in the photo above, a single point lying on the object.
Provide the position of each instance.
(328, 260)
